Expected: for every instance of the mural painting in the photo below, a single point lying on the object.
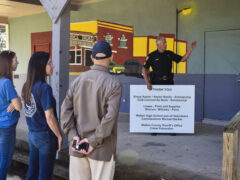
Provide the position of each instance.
(129, 51)
(85, 34)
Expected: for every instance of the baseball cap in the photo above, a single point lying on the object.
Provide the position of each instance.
(101, 50)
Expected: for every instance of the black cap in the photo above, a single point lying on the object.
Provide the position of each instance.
(101, 50)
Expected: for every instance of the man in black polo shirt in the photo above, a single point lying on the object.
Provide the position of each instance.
(161, 63)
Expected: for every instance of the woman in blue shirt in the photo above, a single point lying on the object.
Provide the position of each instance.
(44, 137)
(10, 105)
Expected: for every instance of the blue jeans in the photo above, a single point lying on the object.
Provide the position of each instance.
(42, 146)
(7, 143)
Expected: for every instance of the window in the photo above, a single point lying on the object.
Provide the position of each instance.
(3, 37)
(80, 37)
(122, 42)
(75, 56)
(88, 60)
(108, 38)
(72, 56)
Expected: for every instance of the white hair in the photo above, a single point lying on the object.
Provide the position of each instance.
(159, 38)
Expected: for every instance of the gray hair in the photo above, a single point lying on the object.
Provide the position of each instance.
(159, 38)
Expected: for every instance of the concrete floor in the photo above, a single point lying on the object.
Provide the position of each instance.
(142, 156)
(197, 156)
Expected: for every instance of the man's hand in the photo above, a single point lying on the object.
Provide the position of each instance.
(10, 108)
(90, 148)
(78, 140)
(186, 56)
(149, 86)
(193, 45)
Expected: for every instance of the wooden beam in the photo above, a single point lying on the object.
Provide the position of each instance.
(81, 2)
(60, 56)
(3, 20)
(238, 168)
(234, 124)
(55, 7)
(34, 2)
(59, 12)
(74, 6)
(229, 163)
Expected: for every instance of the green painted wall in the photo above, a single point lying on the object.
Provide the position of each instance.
(20, 30)
(207, 15)
(148, 18)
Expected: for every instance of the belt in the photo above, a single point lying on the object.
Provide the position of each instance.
(160, 77)
(164, 77)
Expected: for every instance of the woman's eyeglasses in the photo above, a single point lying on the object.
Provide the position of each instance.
(49, 63)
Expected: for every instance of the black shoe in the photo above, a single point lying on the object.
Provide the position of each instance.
(153, 134)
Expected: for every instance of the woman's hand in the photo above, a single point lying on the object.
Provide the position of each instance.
(54, 126)
(60, 141)
(10, 108)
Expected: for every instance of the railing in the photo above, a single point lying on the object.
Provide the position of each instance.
(231, 160)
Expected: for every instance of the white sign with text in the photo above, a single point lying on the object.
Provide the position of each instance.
(164, 109)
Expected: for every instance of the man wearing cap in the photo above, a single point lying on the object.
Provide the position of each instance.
(89, 115)
(161, 63)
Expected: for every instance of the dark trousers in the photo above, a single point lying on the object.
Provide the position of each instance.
(7, 143)
(42, 146)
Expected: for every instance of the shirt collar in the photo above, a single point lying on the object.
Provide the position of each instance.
(99, 68)
(161, 52)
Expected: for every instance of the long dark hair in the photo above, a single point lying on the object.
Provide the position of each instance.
(6, 59)
(36, 72)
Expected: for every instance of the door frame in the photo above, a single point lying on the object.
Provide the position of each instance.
(204, 66)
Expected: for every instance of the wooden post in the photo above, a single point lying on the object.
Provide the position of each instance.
(238, 168)
(59, 12)
(60, 56)
(230, 152)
